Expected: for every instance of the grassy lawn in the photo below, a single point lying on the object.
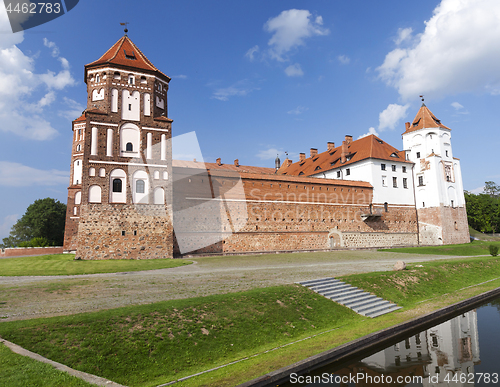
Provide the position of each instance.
(467, 249)
(482, 236)
(20, 371)
(64, 264)
(152, 344)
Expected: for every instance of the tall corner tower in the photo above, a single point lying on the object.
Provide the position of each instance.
(121, 161)
(439, 193)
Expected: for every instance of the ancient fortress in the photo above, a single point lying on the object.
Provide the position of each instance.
(128, 199)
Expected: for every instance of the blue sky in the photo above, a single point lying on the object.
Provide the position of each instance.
(258, 78)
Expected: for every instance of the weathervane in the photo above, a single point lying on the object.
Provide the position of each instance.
(126, 29)
(422, 98)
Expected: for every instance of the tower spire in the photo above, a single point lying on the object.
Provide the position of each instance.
(126, 29)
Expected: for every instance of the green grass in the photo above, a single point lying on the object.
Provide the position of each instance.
(65, 264)
(409, 287)
(21, 371)
(466, 249)
(482, 236)
(151, 344)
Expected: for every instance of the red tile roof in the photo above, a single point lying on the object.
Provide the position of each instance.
(261, 173)
(125, 53)
(425, 119)
(364, 148)
(225, 167)
(81, 118)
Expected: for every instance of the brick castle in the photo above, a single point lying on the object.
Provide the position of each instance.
(126, 193)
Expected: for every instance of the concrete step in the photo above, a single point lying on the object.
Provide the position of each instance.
(362, 300)
(335, 289)
(364, 309)
(381, 309)
(339, 290)
(345, 297)
(332, 285)
(358, 300)
(389, 310)
(317, 281)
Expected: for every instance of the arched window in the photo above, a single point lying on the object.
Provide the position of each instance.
(102, 172)
(140, 181)
(117, 185)
(159, 196)
(91, 171)
(139, 186)
(78, 197)
(129, 140)
(94, 194)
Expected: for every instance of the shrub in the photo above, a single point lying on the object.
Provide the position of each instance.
(35, 242)
(493, 250)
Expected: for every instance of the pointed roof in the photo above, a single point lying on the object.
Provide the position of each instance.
(425, 119)
(364, 148)
(124, 53)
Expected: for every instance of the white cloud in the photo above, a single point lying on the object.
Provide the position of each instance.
(290, 29)
(344, 59)
(404, 35)
(390, 117)
(240, 88)
(457, 105)
(268, 154)
(52, 45)
(294, 70)
(74, 110)
(180, 76)
(298, 110)
(19, 112)
(478, 190)
(19, 175)
(250, 54)
(457, 52)
(7, 224)
(370, 131)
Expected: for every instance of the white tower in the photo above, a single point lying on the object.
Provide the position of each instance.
(439, 193)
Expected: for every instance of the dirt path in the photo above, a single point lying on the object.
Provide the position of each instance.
(31, 297)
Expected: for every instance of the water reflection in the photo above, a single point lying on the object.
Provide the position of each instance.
(436, 357)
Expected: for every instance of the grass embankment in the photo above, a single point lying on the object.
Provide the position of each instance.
(481, 236)
(65, 264)
(17, 370)
(153, 344)
(409, 287)
(467, 249)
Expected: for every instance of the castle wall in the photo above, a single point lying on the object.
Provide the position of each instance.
(443, 225)
(122, 231)
(284, 213)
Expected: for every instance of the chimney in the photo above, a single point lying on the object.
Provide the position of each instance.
(236, 163)
(407, 126)
(348, 139)
(330, 145)
(287, 163)
(218, 161)
(345, 151)
(314, 152)
(302, 156)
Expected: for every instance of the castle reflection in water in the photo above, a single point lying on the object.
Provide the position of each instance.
(450, 348)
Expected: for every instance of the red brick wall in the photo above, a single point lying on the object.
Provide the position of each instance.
(21, 251)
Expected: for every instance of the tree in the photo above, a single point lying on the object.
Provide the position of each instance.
(45, 218)
(490, 188)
